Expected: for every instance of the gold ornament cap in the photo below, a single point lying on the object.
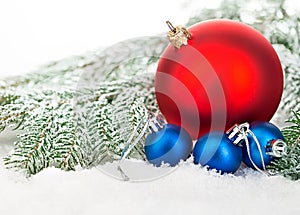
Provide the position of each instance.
(178, 36)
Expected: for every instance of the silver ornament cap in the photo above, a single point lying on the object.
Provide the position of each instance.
(276, 148)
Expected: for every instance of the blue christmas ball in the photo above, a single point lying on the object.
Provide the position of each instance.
(265, 133)
(216, 151)
(168, 145)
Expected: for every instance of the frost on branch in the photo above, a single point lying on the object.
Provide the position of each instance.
(80, 111)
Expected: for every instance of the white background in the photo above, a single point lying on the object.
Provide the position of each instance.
(34, 32)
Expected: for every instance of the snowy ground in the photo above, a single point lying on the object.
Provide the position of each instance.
(189, 189)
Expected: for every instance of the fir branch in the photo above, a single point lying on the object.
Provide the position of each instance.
(48, 137)
(64, 127)
(110, 121)
(289, 164)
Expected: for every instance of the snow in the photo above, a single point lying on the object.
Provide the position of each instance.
(189, 189)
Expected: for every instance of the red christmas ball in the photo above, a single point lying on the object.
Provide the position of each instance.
(227, 73)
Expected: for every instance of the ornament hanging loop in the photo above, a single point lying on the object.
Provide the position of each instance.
(171, 26)
(178, 36)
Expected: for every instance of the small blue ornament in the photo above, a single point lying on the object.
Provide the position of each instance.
(265, 144)
(168, 144)
(217, 151)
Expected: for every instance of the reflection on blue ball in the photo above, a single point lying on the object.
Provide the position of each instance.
(216, 151)
(264, 132)
(168, 145)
